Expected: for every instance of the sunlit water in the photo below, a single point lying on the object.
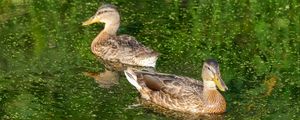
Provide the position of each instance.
(44, 50)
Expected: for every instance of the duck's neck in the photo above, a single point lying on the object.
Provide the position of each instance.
(213, 99)
(109, 30)
(209, 85)
(112, 27)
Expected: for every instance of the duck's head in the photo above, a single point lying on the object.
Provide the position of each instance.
(211, 74)
(107, 14)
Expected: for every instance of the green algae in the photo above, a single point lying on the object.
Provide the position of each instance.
(44, 50)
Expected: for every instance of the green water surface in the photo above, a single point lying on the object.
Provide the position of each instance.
(44, 50)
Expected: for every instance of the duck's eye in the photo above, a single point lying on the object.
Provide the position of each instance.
(208, 68)
(98, 13)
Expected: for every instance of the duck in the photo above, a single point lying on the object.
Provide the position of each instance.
(169, 93)
(117, 52)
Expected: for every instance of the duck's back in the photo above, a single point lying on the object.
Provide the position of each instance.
(173, 92)
(118, 52)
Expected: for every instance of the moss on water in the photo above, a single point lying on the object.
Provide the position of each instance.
(44, 50)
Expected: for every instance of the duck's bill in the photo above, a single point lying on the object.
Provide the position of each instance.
(91, 21)
(220, 83)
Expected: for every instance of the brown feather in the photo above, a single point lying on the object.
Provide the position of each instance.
(120, 52)
(152, 83)
(181, 94)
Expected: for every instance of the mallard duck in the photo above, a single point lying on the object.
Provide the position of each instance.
(117, 52)
(181, 94)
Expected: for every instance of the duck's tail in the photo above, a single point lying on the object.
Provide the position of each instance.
(132, 78)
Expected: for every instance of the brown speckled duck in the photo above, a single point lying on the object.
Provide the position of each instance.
(181, 94)
(117, 52)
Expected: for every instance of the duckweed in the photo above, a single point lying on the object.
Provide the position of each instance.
(44, 50)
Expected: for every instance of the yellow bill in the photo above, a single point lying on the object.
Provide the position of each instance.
(220, 83)
(91, 21)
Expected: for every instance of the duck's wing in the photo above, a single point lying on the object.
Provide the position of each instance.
(173, 85)
(167, 91)
(127, 50)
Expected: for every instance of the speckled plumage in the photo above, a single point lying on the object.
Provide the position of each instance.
(117, 52)
(120, 52)
(182, 94)
(177, 93)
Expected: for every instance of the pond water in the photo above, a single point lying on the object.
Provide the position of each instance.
(44, 50)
